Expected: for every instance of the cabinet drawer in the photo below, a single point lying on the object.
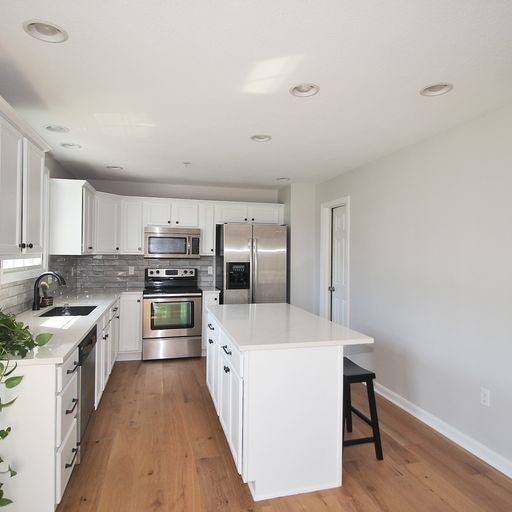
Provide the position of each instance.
(67, 407)
(66, 371)
(231, 353)
(65, 460)
(212, 328)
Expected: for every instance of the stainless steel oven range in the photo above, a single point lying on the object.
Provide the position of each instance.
(171, 318)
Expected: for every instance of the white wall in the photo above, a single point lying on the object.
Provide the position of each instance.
(55, 168)
(133, 188)
(300, 207)
(431, 273)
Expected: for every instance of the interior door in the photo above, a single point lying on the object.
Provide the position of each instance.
(339, 266)
(269, 263)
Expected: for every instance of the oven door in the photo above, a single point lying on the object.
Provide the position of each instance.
(169, 317)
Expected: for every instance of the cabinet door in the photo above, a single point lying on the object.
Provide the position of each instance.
(185, 214)
(207, 226)
(131, 227)
(88, 219)
(11, 144)
(130, 329)
(114, 335)
(236, 419)
(107, 353)
(100, 354)
(225, 394)
(33, 167)
(157, 213)
(211, 361)
(106, 221)
(231, 213)
(264, 214)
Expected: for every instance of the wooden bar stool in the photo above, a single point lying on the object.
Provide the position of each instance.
(352, 374)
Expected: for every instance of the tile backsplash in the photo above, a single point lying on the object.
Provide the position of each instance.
(16, 297)
(112, 271)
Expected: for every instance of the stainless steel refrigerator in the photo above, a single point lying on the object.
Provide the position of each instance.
(250, 263)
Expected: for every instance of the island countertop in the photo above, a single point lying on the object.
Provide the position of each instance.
(281, 326)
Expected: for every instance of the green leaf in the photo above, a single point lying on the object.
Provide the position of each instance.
(7, 404)
(4, 502)
(43, 338)
(12, 382)
(2, 368)
(5, 432)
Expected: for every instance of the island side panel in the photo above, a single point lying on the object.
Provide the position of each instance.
(293, 420)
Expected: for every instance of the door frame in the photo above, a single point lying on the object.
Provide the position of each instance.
(325, 255)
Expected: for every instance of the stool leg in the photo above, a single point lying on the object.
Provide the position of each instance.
(375, 420)
(348, 407)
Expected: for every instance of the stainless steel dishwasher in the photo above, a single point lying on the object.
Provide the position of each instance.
(87, 375)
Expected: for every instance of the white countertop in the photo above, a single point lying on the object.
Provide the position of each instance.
(68, 331)
(281, 326)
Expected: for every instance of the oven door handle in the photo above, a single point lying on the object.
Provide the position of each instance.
(172, 295)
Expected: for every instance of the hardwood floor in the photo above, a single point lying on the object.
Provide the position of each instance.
(155, 444)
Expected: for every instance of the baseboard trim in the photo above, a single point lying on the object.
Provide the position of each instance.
(129, 356)
(473, 446)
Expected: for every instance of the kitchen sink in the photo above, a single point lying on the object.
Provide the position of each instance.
(69, 311)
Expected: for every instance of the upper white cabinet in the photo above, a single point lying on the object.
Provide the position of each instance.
(11, 150)
(21, 193)
(107, 209)
(132, 226)
(249, 213)
(207, 226)
(72, 217)
(159, 212)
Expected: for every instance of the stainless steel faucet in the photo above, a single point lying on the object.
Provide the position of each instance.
(60, 280)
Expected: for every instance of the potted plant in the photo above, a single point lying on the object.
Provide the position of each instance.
(16, 340)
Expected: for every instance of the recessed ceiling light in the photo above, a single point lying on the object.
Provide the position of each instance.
(114, 167)
(186, 164)
(56, 128)
(283, 179)
(261, 138)
(70, 145)
(436, 89)
(304, 90)
(44, 31)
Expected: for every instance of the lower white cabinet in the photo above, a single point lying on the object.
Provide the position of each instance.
(130, 326)
(210, 298)
(107, 348)
(43, 443)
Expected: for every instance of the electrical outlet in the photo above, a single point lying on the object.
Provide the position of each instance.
(485, 397)
(210, 271)
(131, 271)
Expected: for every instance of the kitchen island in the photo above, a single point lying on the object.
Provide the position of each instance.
(275, 373)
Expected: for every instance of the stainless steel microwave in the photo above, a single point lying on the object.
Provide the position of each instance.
(164, 242)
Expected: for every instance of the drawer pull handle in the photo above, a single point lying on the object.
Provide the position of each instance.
(73, 370)
(226, 369)
(210, 326)
(225, 348)
(75, 403)
(210, 341)
(71, 464)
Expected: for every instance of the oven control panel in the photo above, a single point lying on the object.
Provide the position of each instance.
(171, 272)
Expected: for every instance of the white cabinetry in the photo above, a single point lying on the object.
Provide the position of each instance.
(160, 212)
(21, 193)
(207, 226)
(132, 226)
(210, 298)
(72, 217)
(106, 348)
(130, 329)
(44, 434)
(249, 213)
(107, 211)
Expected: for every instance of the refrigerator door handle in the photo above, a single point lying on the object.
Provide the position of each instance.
(254, 268)
(251, 267)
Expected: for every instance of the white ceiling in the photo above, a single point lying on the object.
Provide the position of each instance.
(151, 84)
